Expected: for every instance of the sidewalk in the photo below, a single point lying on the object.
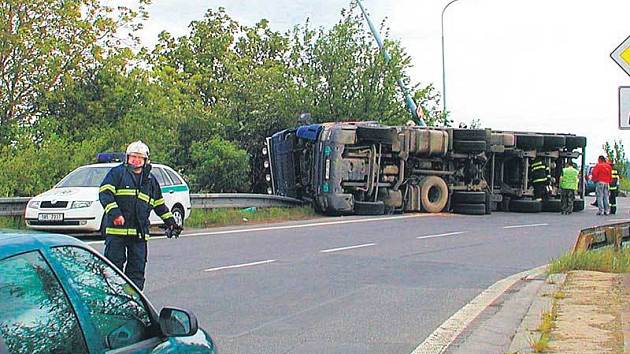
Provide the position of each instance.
(592, 315)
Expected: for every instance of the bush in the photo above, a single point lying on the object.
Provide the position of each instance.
(219, 166)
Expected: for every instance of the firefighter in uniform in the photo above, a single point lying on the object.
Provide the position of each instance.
(128, 194)
(614, 191)
(541, 175)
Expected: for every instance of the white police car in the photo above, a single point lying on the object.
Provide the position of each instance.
(73, 205)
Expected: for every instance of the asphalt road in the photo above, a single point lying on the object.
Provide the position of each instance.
(349, 284)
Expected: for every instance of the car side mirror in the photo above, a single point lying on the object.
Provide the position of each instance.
(176, 322)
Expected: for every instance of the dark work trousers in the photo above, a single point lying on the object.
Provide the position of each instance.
(567, 196)
(612, 198)
(121, 249)
(540, 190)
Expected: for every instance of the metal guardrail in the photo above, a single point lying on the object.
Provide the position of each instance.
(16, 206)
(13, 206)
(602, 236)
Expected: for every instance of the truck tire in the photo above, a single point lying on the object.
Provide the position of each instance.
(469, 197)
(469, 135)
(578, 205)
(369, 208)
(551, 205)
(433, 194)
(488, 204)
(469, 146)
(553, 142)
(529, 141)
(525, 206)
(470, 209)
(575, 142)
(382, 135)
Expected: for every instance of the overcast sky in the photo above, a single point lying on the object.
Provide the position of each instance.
(535, 65)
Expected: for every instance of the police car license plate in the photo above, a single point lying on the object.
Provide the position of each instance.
(50, 217)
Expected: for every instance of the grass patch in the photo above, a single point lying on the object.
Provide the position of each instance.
(202, 218)
(559, 295)
(604, 260)
(12, 222)
(547, 323)
(541, 344)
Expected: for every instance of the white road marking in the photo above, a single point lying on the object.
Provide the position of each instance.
(618, 220)
(239, 265)
(347, 248)
(286, 227)
(519, 226)
(441, 235)
(444, 335)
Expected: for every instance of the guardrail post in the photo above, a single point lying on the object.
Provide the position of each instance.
(617, 233)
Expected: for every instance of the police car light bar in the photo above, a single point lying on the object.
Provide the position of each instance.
(103, 157)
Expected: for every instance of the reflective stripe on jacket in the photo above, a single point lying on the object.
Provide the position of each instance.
(121, 194)
(614, 182)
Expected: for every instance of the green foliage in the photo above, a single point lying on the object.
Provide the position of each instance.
(12, 222)
(220, 217)
(203, 102)
(605, 260)
(617, 154)
(46, 44)
(219, 166)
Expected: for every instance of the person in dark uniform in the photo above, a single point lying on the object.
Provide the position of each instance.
(540, 175)
(128, 194)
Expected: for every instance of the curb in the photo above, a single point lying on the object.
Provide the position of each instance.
(542, 302)
(439, 341)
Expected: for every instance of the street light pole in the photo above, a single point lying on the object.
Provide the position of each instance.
(443, 66)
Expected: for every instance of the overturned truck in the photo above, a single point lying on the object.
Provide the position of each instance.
(370, 169)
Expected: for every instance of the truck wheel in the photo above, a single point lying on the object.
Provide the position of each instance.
(382, 135)
(469, 146)
(470, 209)
(529, 141)
(369, 208)
(551, 205)
(553, 142)
(488, 203)
(433, 194)
(574, 142)
(469, 197)
(469, 135)
(578, 205)
(525, 206)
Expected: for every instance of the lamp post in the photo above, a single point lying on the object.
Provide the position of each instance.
(443, 66)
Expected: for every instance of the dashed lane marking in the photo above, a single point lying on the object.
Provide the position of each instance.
(347, 248)
(441, 235)
(520, 226)
(239, 265)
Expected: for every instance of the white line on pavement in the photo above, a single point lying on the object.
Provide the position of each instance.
(327, 223)
(519, 226)
(239, 265)
(441, 235)
(618, 220)
(347, 248)
(438, 341)
(303, 225)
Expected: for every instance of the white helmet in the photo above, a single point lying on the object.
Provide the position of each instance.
(138, 148)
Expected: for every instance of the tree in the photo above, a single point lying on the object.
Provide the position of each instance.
(220, 166)
(617, 154)
(44, 43)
